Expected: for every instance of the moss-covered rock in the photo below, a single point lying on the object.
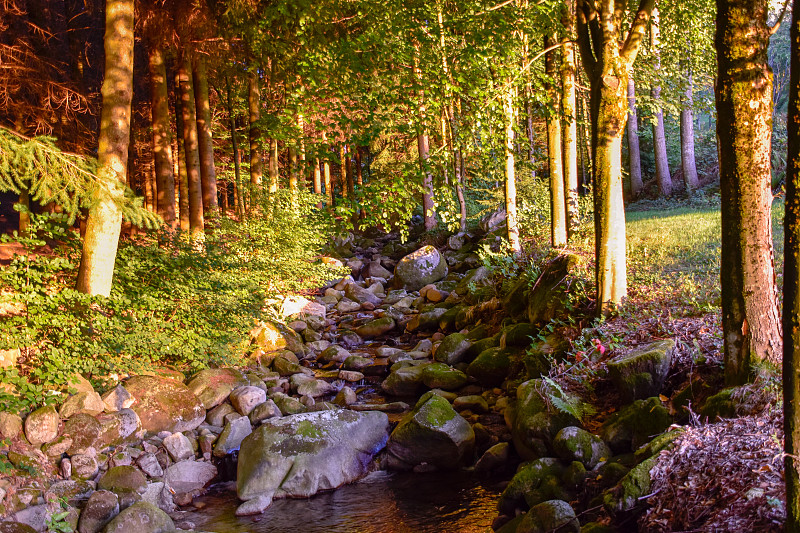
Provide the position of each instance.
(491, 366)
(452, 349)
(433, 434)
(442, 376)
(376, 327)
(534, 426)
(515, 301)
(164, 404)
(575, 444)
(272, 336)
(547, 298)
(41, 425)
(661, 442)
(552, 515)
(518, 335)
(420, 268)
(141, 517)
(447, 321)
(472, 278)
(625, 496)
(426, 321)
(635, 425)
(721, 405)
(404, 381)
(123, 479)
(480, 346)
(213, 385)
(534, 482)
(641, 372)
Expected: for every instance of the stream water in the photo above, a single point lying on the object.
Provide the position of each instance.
(382, 502)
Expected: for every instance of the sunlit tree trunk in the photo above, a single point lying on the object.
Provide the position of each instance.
(105, 218)
(317, 180)
(687, 138)
(558, 215)
(750, 319)
(569, 108)
(293, 170)
(326, 176)
(191, 147)
(254, 108)
(24, 215)
(607, 65)
(423, 147)
(511, 183)
(791, 290)
(659, 138)
(273, 166)
(183, 178)
(633, 142)
(208, 173)
(162, 146)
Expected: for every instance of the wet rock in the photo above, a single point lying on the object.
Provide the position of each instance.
(635, 425)
(420, 268)
(442, 376)
(641, 372)
(141, 517)
(297, 456)
(406, 381)
(491, 366)
(356, 363)
(41, 425)
(575, 444)
(213, 385)
(101, 508)
(165, 405)
(552, 515)
(376, 327)
(244, 399)
(432, 434)
(83, 402)
(188, 477)
(452, 349)
(351, 376)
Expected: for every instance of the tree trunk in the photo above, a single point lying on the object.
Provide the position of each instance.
(558, 216)
(326, 175)
(162, 146)
(791, 290)
(254, 107)
(237, 159)
(105, 219)
(191, 147)
(633, 142)
(343, 167)
(25, 213)
(750, 319)
(273, 166)
(569, 108)
(511, 184)
(206, 146)
(687, 139)
(293, 170)
(183, 183)
(659, 138)
(317, 180)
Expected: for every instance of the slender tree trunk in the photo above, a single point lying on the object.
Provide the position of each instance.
(254, 107)
(791, 290)
(633, 142)
(293, 170)
(423, 147)
(191, 147)
(25, 214)
(659, 138)
(511, 183)
(273, 166)
(206, 146)
(343, 167)
(317, 180)
(750, 318)
(558, 216)
(237, 159)
(105, 218)
(326, 176)
(183, 183)
(569, 108)
(162, 146)
(687, 139)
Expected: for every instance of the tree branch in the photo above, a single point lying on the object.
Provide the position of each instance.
(636, 33)
(584, 39)
(774, 29)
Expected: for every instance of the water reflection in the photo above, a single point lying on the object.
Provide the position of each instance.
(380, 503)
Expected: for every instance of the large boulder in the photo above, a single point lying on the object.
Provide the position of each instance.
(575, 444)
(548, 297)
(189, 477)
(452, 349)
(641, 372)
(273, 336)
(376, 327)
(635, 425)
(213, 385)
(536, 423)
(404, 381)
(164, 404)
(433, 434)
(491, 366)
(420, 268)
(300, 455)
(442, 376)
(141, 517)
(552, 515)
(41, 425)
(534, 482)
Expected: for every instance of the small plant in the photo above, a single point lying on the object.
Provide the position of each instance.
(58, 522)
(564, 402)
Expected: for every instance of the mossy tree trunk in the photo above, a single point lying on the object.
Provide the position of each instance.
(750, 319)
(105, 218)
(208, 173)
(558, 215)
(162, 145)
(791, 290)
(633, 142)
(569, 110)
(191, 146)
(607, 63)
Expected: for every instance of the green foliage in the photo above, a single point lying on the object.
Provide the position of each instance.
(172, 304)
(564, 402)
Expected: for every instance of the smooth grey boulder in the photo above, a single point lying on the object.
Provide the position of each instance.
(433, 434)
(641, 372)
(300, 455)
(232, 435)
(452, 349)
(41, 425)
(244, 399)
(420, 268)
(189, 476)
(141, 517)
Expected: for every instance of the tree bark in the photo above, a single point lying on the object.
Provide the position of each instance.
(191, 147)
(423, 147)
(659, 138)
(690, 178)
(511, 183)
(162, 145)
(791, 290)
(254, 108)
(558, 215)
(326, 175)
(569, 108)
(183, 178)
(237, 159)
(273, 166)
(750, 319)
(633, 142)
(206, 146)
(105, 218)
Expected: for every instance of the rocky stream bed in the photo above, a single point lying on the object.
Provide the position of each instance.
(405, 378)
